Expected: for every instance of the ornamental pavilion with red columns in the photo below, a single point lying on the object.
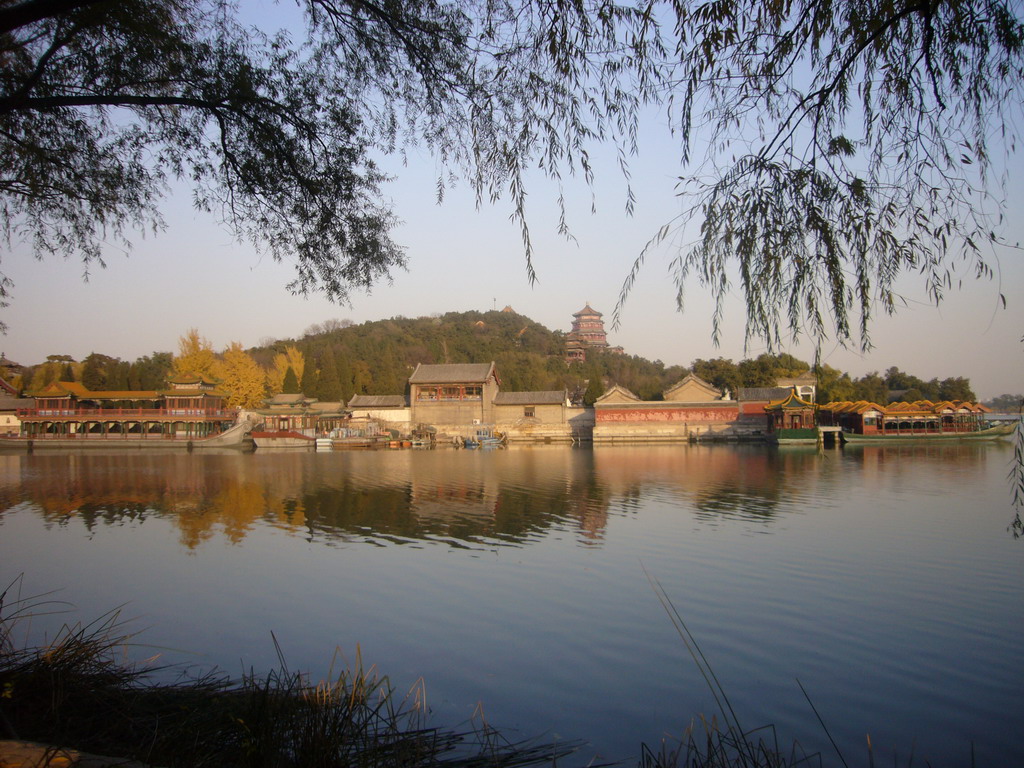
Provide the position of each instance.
(190, 408)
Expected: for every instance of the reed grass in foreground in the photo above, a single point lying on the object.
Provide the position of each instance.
(79, 691)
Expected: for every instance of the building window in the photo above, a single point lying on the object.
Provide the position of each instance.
(474, 393)
(529, 412)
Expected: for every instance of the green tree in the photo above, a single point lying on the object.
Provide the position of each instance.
(719, 372)
(871, 387)
(833, 385)
(291, 382)
(92, 373)
(310, 379)
(362, 376)
(117, 376)
(595, 386)
(762, 371)
(151, 371)
(291, 358)
(344, 369)
(328, 387)
(956, 388)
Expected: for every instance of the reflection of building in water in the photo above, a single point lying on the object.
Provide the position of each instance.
(731, 481)
(201, 495)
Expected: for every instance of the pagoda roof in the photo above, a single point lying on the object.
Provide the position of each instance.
(792, 400)
(587, 310)
(453, 373)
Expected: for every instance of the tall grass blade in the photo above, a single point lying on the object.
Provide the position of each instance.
(824, 727)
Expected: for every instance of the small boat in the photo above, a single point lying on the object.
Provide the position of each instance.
(283, 438)
(484, 438)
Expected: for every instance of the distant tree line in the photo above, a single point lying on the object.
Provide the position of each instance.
(337, 359)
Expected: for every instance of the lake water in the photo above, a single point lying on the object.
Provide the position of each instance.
(513, 582)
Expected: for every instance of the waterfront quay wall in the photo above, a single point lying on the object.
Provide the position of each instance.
(573, 425)
(661, 422)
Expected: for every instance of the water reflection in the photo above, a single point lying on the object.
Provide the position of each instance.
(506, 498)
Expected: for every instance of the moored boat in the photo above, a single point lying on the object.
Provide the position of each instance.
(283, 438)
(988, 433)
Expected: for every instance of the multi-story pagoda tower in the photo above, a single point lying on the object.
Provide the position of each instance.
(587, 333)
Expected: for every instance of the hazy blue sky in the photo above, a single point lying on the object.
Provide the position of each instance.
(194, 275)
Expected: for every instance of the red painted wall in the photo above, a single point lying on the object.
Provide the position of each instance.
(690, 415)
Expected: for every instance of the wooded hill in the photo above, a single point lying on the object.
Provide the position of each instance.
(334, 360)
(376, 358)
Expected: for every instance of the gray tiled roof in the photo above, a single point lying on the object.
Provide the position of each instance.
(763, 393)
(327, 406)
(550, 397)
(283, 399)
(455, 373)
(377, 401)
(14, 403)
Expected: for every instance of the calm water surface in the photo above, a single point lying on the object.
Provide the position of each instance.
(513, 581)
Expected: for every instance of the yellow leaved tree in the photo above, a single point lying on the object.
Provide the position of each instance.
(290, 358)
(195, 357)
(242, 379)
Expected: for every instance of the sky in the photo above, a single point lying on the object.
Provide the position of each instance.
(194, 275)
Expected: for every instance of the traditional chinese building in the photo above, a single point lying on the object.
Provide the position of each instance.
(191, 408)
(587, 333)
(791, 419)
(691, 409)
(921, 417)
(453, 397)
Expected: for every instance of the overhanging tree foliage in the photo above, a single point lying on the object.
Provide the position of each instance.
(831, 146)
(844, 144)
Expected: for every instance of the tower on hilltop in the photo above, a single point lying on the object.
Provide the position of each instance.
(587, 333)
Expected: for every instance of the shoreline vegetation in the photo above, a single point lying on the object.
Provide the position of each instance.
(80, 692)
(79, 700)
(79, 696)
